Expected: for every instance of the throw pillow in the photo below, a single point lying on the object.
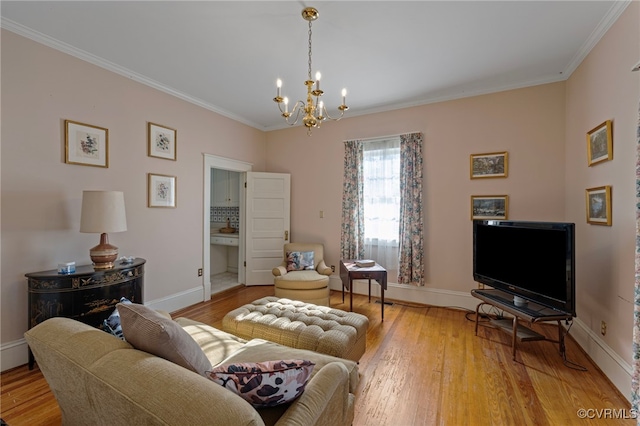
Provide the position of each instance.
(150, 331)
(264, 384)
(300, 260)
(112, 324)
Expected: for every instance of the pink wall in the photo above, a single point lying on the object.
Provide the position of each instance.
(543, 129)
(41, 195)
(604, 88)
(528, 123)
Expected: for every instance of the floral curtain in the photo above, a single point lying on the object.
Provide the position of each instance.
(352, 232)
(635, 379)
(411, 256)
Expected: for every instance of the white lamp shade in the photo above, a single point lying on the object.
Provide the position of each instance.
(103, 211)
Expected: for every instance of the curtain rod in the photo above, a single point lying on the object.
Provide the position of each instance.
(379, 137)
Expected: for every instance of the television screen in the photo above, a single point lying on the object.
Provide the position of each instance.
(533, 260)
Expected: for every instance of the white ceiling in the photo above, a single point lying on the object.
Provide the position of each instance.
(227, 55)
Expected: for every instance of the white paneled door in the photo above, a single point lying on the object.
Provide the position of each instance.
(267, 222)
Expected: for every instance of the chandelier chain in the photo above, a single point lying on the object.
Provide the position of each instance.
(309, 50)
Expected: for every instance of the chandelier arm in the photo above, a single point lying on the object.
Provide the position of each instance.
(295, 111)
(327, 116)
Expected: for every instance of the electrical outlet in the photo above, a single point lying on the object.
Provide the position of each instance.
(200, 272)
(333, 268)
(603, 328)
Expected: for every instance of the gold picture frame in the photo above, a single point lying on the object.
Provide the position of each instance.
(599, 205)
(600, 143)
(489, 165)
(161, 191)
(162, 141)
(489, 207)
(85, 144)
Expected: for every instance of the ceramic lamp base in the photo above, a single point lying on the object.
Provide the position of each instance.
(104, 254)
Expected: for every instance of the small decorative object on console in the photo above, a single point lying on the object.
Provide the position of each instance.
(66, 268)
(365, 263)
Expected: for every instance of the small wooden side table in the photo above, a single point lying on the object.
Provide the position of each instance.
(88, 295)
(349, 271)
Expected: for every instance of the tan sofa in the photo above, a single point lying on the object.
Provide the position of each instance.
(99, 379)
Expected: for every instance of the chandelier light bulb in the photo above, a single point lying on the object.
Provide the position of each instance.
(344, 96)
(278, 85)
(286, 104)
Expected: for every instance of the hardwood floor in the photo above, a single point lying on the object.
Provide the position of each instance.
(423, 366)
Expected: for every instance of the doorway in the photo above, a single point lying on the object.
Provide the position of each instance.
(239, 169)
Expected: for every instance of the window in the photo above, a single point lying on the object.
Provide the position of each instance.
(381, 201)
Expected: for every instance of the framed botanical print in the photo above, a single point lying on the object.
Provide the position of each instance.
(599, 205)
(161, 190)
(162, 141)
(86, 144)
(600, 143)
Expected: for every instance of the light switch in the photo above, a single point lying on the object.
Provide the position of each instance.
(321, 214)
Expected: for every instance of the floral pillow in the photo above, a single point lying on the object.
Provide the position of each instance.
(300, 261)
(264, 384)
(112, 324)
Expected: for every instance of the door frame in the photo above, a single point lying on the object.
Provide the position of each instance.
(216, 162)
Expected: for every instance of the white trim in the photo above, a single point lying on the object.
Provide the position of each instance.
(616, 369)
(13, 354)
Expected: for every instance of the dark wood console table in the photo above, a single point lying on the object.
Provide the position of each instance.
(532, 313)
(349, 271)
(89, 295)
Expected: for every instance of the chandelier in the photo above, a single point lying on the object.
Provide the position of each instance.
(314, 110)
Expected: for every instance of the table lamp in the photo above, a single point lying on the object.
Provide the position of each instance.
(102, 212)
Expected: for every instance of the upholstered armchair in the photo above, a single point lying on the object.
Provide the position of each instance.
(303, 274)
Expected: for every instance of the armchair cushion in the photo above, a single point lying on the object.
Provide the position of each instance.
(300, 261)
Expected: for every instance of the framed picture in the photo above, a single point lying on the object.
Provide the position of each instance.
(162, 141)
(490, 165)
(86, 144)
(600, 143)
(599, 205)
(161, 190)
(489, 206)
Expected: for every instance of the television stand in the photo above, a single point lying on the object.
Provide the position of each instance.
(531, 313)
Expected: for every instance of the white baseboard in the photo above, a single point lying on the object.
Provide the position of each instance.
(15, 354)
(617, 370)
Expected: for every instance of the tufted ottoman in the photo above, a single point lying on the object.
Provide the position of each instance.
(300, 325)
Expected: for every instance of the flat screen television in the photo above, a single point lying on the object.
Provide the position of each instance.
(531, 260)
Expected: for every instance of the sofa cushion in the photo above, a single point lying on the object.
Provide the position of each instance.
(112, 323)
(264, 384)
(300, 261)
(150, 331)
